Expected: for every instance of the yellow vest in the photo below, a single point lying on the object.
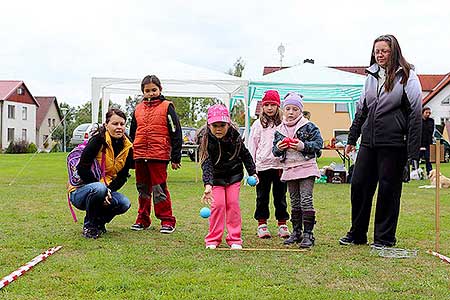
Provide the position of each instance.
(112, 164)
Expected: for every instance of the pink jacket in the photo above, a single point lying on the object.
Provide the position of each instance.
(260, 145)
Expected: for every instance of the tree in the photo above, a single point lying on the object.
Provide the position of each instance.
(239, 67)
(238, 111)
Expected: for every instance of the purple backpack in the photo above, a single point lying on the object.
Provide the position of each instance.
(74, 179)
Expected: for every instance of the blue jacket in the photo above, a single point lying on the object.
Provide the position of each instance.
(309, 134)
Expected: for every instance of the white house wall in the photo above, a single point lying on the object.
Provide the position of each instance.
(18, 124)
(439, 110)
(52, 114)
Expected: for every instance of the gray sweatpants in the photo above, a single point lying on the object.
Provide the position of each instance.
(301, 192)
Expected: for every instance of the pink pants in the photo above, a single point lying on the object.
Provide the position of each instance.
(225, 210)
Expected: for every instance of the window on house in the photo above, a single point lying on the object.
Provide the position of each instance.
(341, 107)
(11, 111)
(20, 91)
(10, 134)
(53, 122)
(444, 120)
(49, 122)
(24, 113)
(446, 101)
(24, 134)
(341, 136)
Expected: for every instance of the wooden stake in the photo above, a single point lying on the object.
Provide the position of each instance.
(264, 249)
(438, 186)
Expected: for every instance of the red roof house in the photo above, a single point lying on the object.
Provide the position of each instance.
(17, 113)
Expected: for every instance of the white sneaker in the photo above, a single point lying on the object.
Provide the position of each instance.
(263, 232)
(283, 231)
(212, 247)
(236, 247)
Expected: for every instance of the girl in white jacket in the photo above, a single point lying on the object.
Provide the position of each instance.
(268, 167)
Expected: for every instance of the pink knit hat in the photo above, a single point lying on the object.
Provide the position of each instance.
(218, 113)
(271, 96)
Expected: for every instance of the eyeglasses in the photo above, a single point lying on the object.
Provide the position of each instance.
(382, 51)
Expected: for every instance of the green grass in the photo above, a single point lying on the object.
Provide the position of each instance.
(148, 265)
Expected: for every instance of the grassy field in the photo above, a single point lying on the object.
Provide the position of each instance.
(148, 265)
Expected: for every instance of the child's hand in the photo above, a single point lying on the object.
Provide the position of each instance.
(207, 197)
(297, 145)
(281, 145)
(176, 166)
(257, 179)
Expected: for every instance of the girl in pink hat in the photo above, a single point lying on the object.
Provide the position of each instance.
(269, 167)
(222, 154)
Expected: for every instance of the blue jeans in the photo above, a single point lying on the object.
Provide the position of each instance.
(90, 197)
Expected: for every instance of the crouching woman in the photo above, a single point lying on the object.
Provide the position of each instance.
(99, 198)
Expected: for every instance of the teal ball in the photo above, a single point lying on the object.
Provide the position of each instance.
(205, 212)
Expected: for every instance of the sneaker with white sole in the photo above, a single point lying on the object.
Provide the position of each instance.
(212, 247)
(236, 247)
(263, 232)
(167, 229)
(138, 227)
(283, 231)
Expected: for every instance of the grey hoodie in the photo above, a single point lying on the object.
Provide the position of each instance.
(389, 119)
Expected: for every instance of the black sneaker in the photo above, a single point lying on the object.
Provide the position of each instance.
(379, 246)
(349, 240)
(138, 227)
(102, 229)
(91, 232)
(167, 229)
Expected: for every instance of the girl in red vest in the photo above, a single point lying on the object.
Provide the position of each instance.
(157, 139)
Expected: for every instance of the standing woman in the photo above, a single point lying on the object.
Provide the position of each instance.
(100, 199)
(388, 118)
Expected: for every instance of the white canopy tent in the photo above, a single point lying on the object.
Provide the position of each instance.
(177, 79)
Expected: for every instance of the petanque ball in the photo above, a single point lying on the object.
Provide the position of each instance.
(251, 181)
(205, 212)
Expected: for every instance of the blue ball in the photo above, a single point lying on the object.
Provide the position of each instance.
(205, 212)
(251, 181)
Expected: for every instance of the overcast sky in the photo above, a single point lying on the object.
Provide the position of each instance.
(57, 46)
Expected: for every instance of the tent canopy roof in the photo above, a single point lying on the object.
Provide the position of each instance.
(315, 83)
(177, 79)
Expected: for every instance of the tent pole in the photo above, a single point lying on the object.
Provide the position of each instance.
(95, 94)
(247, 114)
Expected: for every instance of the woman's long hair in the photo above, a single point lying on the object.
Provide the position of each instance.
(267, 121)
(396, 60)
(202, 137)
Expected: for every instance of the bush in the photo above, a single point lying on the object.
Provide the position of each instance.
(32, 148)
(18, 147)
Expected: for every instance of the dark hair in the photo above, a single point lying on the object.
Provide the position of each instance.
(202, 137)
(307, 114)
(267, 121)
(115, 111)
(150, 79)
(102, 129)
(396, 60)
(425, 108)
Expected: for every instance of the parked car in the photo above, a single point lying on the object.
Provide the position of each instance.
(81, 133)
(188, 139)
(438, 135)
